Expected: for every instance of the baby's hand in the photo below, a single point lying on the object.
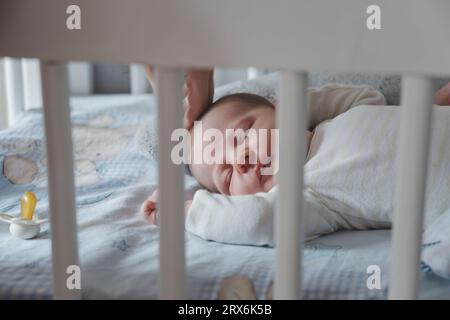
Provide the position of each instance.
(198, 90)
(149, 208)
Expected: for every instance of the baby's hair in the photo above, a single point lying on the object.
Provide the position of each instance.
(248, 98)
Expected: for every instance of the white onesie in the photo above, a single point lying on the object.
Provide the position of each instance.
(248, 219)
(349, 182)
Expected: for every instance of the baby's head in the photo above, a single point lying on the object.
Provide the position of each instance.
(247, 125)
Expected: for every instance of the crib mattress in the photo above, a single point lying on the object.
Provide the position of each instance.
(119, 252)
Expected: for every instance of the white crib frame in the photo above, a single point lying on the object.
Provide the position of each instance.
(292, 35)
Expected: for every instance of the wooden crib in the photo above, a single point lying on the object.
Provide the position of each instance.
(295, 36)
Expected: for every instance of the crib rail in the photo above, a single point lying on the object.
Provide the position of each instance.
(130, 32)
(295, 35)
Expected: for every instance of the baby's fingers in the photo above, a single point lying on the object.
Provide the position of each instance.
(154, 196)
(149, 211)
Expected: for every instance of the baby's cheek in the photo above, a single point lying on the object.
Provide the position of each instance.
(269, 183)
(237, 187)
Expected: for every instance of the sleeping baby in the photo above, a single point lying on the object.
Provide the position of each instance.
(349, 169)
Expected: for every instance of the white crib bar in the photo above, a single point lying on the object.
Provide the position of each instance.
(417, 97)
(81, 78)
(288, 221)
(171, 187)
(14, 89)
(60, 176)
(138, 82)
(32, 87)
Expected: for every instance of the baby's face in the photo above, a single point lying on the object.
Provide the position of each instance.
(238, 177)
(234, 177)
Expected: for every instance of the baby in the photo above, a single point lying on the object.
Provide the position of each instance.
(237, 204)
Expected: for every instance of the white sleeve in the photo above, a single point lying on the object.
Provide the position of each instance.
(329, 101)
(244, 219)
(249, 219)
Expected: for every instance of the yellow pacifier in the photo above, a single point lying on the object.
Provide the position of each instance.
(27, 205)
(27, 226)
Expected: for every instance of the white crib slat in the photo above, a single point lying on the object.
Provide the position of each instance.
(417, 97)
(81, 78)
(32, 88)
(171, 187)
(138, 82)
(14, 88)
(288, 220)
(60, 176)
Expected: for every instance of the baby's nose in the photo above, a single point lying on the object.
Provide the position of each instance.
(247, 156)
(246, 167)
(242, 163)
